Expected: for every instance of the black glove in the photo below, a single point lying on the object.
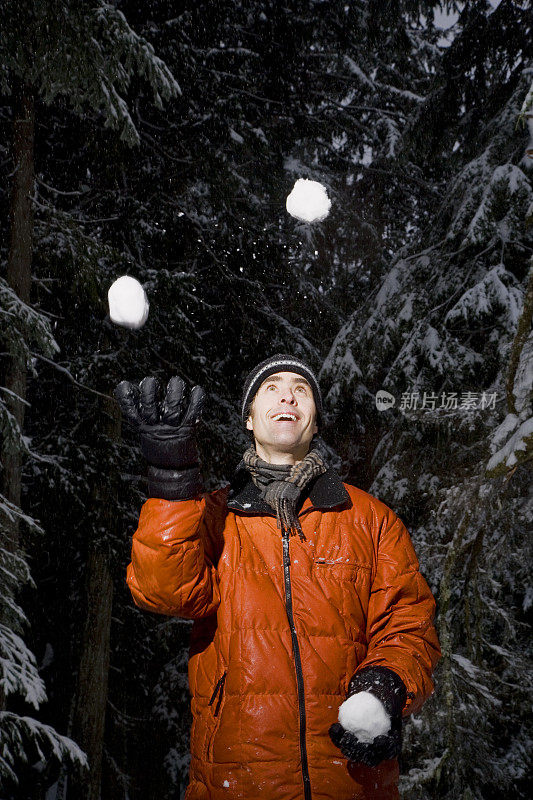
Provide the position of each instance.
(384, 684)
(370, 753)
(167, 432)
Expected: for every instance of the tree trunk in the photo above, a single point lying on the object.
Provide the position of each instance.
(522, 332)
(19, 279)
(91, 697)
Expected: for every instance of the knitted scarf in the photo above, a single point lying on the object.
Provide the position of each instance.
(281, 484)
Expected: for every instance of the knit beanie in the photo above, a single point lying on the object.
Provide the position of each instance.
(279, 363)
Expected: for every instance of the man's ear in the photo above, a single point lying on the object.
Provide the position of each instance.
(249, 424)
(315, 429)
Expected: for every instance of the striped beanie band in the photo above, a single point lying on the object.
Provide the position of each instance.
(279, 363)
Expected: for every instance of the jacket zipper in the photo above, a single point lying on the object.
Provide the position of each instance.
(219, 686)
(297, 664)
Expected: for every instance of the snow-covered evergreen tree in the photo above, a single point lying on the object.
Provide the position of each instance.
(87, 53)
(23, 739)
(447, 335)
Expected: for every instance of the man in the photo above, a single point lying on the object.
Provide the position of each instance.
(313, 629)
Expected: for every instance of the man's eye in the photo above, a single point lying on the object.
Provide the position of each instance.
(301, 389)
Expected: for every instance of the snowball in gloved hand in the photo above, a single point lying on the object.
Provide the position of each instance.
(365, 716)
(308, 201)
(128, 304)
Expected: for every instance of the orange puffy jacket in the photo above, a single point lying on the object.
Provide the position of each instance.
(280, 628)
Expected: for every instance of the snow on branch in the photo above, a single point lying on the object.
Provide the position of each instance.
(13, 512)
(507, 184)
(26, 324)
(517, 449)
(493, 294)
(16, 731)
(89, 55)
(18, 669)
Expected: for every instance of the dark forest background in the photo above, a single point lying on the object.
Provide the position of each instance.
(160, 140)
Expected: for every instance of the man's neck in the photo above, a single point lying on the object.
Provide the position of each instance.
(277, 457)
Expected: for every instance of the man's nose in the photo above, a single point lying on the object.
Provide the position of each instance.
(287, 396)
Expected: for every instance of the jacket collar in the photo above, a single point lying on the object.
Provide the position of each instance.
(324, 492)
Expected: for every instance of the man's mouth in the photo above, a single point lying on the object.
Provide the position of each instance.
(285, 416)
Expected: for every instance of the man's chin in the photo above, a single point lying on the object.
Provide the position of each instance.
(286, 440)
(288, 444)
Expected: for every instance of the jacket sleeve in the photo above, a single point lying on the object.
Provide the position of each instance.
(174, 556)
(400, 632)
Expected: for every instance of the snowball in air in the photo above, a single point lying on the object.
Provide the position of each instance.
(308, 201)
(365, 716)
(128, 304)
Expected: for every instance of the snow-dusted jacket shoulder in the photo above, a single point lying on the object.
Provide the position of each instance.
(278, 635)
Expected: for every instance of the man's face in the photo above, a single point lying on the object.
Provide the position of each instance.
(282, 418)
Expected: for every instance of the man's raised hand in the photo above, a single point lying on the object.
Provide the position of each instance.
(167, 431)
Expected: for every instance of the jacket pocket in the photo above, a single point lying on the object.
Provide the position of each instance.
(218, 690)
(340, 569)
(216, 702)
